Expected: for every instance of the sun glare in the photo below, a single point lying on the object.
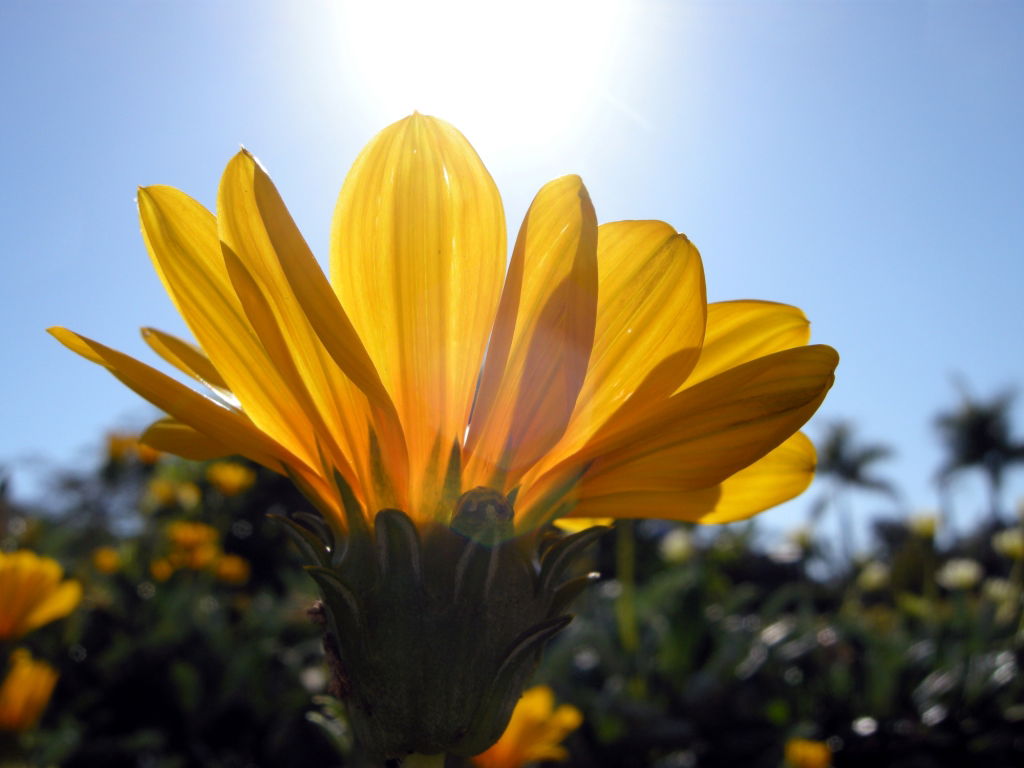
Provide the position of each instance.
(513, 73)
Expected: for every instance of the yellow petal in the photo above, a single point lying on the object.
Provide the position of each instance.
(702, 435)
(185, 356)
(542, 339)
(181, 402)
(781, 475)
(740, 331)
(650, 310)
(173, 436)
(259, 236)
(417, 255)
(182, 239)
(58, 604)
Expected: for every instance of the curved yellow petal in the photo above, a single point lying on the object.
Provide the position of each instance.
(703, 434)
(182, 239)
(417, 255)
(58, 604)
(651, 311)
(740, 331)
(259, 234)
(779, 476)
(172, 436)
(542, 340)
(185, 356)
(181, 402)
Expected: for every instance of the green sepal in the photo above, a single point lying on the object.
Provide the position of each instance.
(559, 555)
(311, 547)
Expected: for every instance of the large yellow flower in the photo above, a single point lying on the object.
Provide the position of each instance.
(32, 593)
(25, 691)
(590, 377)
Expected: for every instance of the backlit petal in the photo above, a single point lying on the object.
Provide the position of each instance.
(185, 356)
(182, 239)
(740, 331)
(172, 436)
(542, 339)
(58, 604)
(417, 255)
(650, 315)
(781, 475)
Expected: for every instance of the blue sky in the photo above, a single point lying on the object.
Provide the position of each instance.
(862, 160)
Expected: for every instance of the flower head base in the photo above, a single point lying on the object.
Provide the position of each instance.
(32, 593)
(535, 732)
(432, 633)
(25, 692)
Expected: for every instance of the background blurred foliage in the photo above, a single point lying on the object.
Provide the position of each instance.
(699, 646)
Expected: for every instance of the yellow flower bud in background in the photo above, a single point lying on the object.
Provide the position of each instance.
(230, 477)
(924, 525)
(161, 492)
(804, 753)
(161, 569)
(25, 692)
(535, 732)
(186, 534)
(959, 573)
(873, 577)
(232, 569)
(677, 546)
(106, 560)
(1010, 543)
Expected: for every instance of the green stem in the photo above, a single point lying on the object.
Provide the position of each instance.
(625, 572)
(423, 761)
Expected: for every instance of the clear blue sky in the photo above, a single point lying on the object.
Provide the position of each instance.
(862, 160)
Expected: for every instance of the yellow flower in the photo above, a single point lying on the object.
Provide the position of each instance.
(232, 569)
(230, 477)
(32, 593)
(106, 560)
(185, 534)
(610, 387)
(25, 692)
(924, 525)
(162, 491)
(161, 569)
(119, 446)
(1009, 543)
(804, 753)
(534, 733)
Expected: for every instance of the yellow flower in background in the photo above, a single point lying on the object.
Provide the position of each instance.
(230, 477)
(924, 525)
(873, 576)
(32, 593)
(535, 732)
(119, 446)
(232, 569)
(106, 560)
(161, 569)
(804, 753)
(25, 692)
(1009, 543)
(959, 573)
(610, 386)
(185, 534)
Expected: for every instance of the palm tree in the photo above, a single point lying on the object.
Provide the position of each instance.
(977, 436)
(847, 466)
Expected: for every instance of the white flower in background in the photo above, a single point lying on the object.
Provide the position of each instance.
(677, 546)
(1010, 543)
(959, 573)
(873, 577)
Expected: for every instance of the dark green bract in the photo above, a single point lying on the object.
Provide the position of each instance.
(433, 632)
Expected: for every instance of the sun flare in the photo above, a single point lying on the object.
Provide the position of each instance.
(513, 73)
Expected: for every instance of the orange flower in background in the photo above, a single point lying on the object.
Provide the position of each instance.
(610, 386)
(32, 593)
(535, 732)
(161, 569)
(230, 477)
(25, 692)
(804, 753)
(232, 569)
(106, 560)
